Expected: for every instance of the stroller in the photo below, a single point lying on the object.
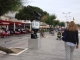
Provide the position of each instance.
(59, 35)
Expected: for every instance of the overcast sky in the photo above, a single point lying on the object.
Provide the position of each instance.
(58, 6)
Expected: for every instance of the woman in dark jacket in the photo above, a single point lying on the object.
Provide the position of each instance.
(71, 40)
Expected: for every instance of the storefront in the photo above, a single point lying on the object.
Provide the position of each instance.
(10, 24)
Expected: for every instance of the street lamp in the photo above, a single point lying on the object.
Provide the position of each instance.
(66, 17)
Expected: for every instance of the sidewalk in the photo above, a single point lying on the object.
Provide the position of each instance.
(51, 49)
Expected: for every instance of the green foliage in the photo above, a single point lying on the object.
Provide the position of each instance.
(45, 13)
(56, 22)
(49, 19)
(62, 24)
(9, 5)
(28, 13)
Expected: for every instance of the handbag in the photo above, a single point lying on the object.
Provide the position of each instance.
(64, 38)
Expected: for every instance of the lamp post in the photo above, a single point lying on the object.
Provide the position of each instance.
(66, 17)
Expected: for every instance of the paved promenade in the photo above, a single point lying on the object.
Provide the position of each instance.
(51, 49)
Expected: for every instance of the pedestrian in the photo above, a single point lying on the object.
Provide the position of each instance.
(72, 40)
(42, 32)
(59, 29)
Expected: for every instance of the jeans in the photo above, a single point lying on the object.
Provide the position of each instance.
(69, 51)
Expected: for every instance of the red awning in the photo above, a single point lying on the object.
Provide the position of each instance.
(19, 23)
(4, 23)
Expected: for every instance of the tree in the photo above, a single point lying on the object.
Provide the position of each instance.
(9, 5)
(27, 13)
(61, 24)
(5, 7)
(49, 19)
(44, 18)
(56, 22)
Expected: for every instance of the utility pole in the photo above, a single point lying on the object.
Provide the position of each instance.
(66, 18)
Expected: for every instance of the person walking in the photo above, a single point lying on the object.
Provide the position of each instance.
(42, 32)
(71, 40)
